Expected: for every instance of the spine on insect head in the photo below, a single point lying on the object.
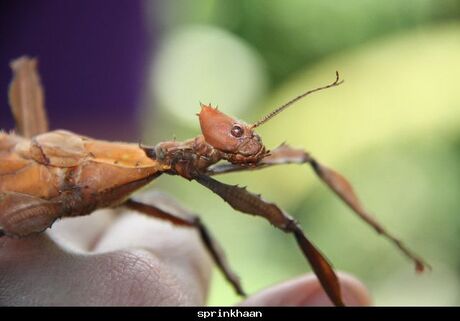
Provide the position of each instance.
(234, 138)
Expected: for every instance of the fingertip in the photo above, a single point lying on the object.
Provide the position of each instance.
(307, 291)
(354, 292)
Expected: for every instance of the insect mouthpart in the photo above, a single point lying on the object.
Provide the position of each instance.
(250, 152)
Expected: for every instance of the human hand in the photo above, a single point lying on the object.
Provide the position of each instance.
(119, 257)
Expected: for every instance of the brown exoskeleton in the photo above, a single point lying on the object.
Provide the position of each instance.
(46, 175)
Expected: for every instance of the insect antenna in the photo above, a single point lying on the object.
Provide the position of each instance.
(289, 103)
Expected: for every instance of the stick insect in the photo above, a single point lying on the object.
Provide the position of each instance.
(46, 175)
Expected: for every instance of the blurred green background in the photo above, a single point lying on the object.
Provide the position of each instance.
(393, 129)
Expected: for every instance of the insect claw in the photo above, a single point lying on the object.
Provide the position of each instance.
(337, 79)
(420, 266)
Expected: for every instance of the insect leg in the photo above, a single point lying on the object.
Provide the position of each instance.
(181, 217)
(285, 154)
(242, 200)
(27, 99)
(22, 214)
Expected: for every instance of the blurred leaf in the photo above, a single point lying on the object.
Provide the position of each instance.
(400, 88)
(290, 33)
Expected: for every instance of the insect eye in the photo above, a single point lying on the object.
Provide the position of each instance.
(237, 131)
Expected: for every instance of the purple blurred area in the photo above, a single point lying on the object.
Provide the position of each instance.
(92, 59)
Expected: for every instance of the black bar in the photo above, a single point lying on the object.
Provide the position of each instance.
(231, 313)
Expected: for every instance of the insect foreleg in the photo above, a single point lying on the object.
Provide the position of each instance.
(281, 155)
(285, 154)
(242, 200)
(182, 217)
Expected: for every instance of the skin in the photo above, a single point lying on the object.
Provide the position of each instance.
(98, 260)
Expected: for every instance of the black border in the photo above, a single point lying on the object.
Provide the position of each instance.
(192, 313)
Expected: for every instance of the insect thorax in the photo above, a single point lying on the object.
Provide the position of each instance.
(185, 158)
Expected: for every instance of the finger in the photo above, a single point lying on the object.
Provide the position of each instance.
(35, 271)
(179, 249)
(307, 291)
(82, 233)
